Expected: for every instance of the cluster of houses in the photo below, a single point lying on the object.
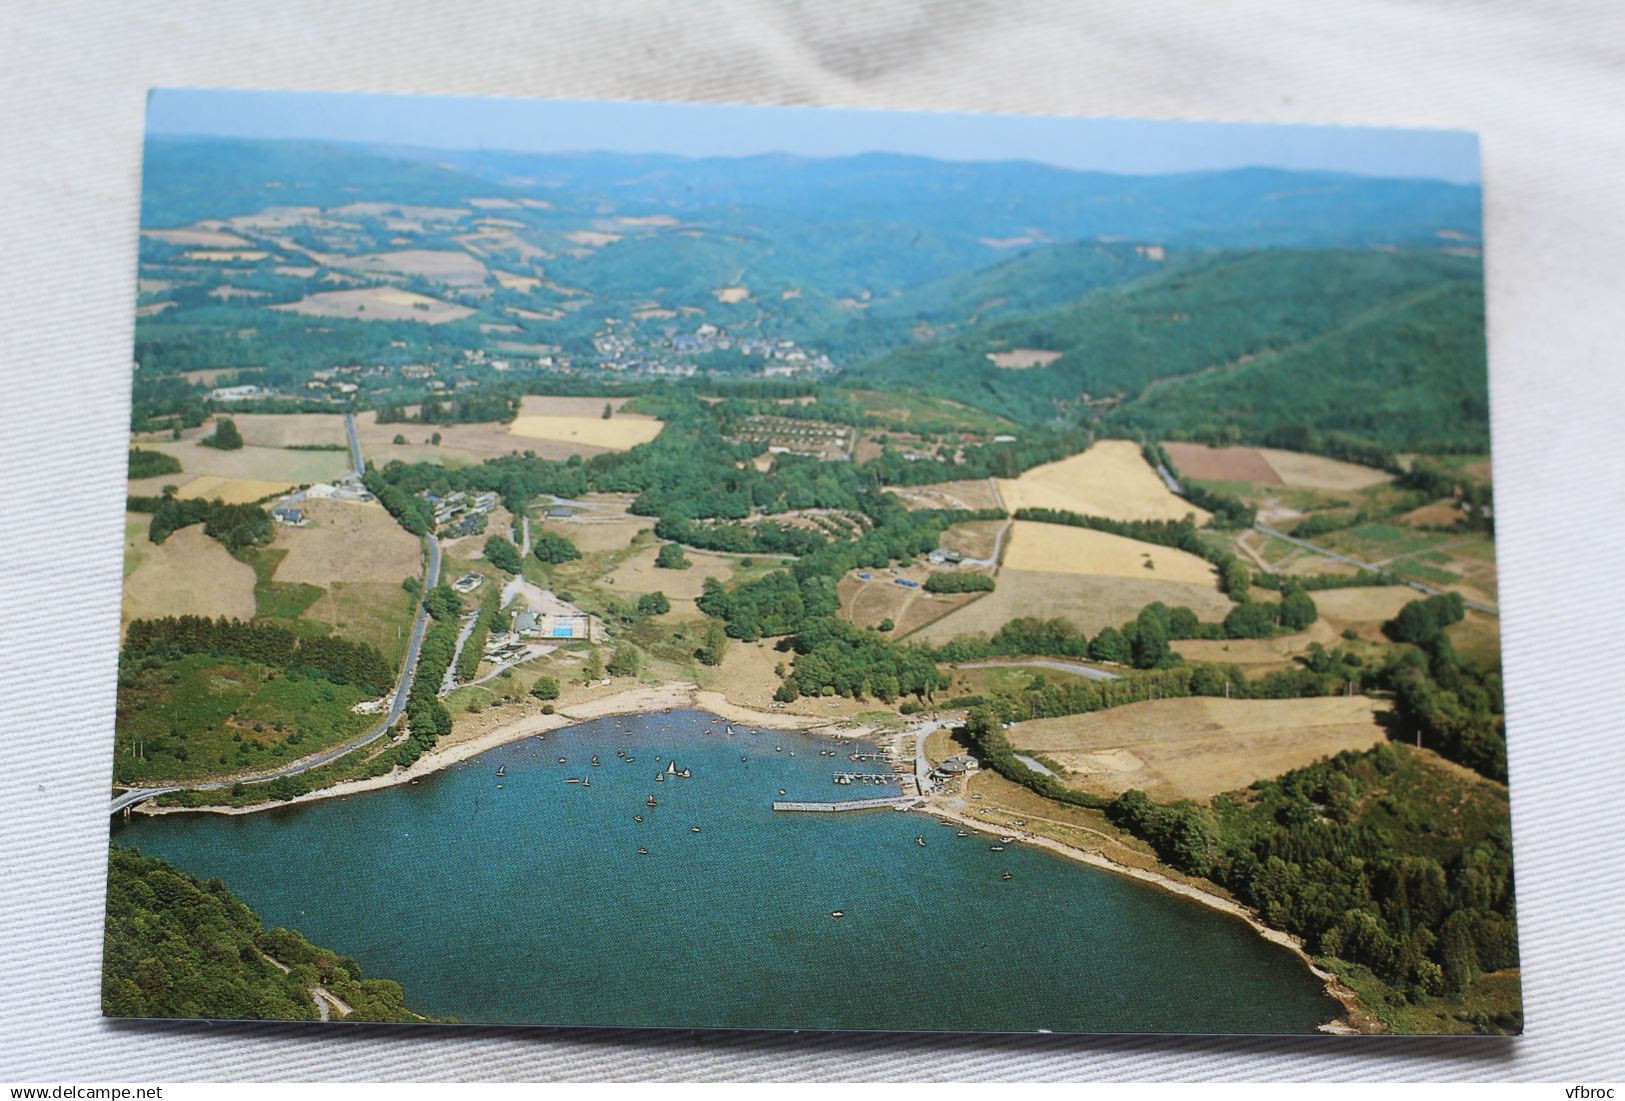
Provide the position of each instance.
(458, 513)
(620, 349)
(289, 510)
(796, 436)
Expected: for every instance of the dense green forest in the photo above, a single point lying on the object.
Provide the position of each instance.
(1387, 347)
(178, 946)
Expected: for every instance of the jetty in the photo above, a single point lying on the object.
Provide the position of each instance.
(896, 802)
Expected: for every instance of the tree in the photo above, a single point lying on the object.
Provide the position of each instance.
(1297, 609)
(552, 548)
(624, 662)
(886, 625)
(226, 437)
(1150, 640)
(443, 602)
(609, 410)
(593, 670)
(714, 646)
(435, 439)
(399, 439)
(1110, 645)
(502, 554)
(545, 688)
(671, 557)
(654, 603)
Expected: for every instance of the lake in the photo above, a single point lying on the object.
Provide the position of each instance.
(523, 899)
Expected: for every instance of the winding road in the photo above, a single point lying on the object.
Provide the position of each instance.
(397, 700)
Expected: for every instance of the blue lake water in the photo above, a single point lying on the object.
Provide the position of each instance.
(524, 900)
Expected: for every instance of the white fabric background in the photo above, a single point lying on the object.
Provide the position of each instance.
(1543, 83)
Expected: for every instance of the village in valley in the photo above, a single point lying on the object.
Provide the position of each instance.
(1100, 559)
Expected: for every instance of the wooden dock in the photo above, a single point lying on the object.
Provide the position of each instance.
(850, 804)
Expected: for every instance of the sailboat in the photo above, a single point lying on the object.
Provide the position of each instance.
(595, 760)
(502, 770)
(637, 818)
(671, 767)
(660, 777)
(686, 774)
(650, 801)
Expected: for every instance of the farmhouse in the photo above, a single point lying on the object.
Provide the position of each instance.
(287, 514)
(237, 393)
(468, 582)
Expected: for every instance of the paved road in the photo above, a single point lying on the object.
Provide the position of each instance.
(355, 444)
(1431, 590)
(397, 703)
(1075, 669)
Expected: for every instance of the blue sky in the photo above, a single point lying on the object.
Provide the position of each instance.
(698, 130)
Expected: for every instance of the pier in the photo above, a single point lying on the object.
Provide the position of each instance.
(893, 803)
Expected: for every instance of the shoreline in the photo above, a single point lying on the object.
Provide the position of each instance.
(644, 699)
(1356, 1020)
(1355, 1016)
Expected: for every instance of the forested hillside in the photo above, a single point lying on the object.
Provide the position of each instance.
(181, 947)
(1239, 344)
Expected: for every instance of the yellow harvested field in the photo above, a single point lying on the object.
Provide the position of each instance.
(868, 603)
(346, 541)
(255, 464)
(292, 429)
(1276, 652)
(1303, 471)
(729, 295)
(1364, 605)
(592, 238)
(1091, 603)
(226, 256)
(377, 304)
(580, 422)
(186, 574)
(1111, 479)
(592, 536)
(1056, 548)
(450, 266)
(233, 491)
(639, 574)
(975, 539)
(212, 238)
(515, 282)
(975, 493)
(1020, 359)
(1196, 748)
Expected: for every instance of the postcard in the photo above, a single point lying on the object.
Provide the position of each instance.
(669, 565)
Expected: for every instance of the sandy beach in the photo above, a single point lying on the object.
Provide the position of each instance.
(453, 750)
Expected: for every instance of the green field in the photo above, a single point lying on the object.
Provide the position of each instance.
(201, 715)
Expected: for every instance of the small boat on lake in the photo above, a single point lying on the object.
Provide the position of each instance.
(1006, 840)
(595, 760)
(671, 767)
(920, 841)
(961, 833)
(502, 770)
(693, 829)
(837, 913)
(686, 774)
(637, 818)
(561, 760)
(996, 848)
(1007, 877)
(585, 782)
(642, 851)
(781, 790)
(573, 780)
(660, 777)
(650, 801)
